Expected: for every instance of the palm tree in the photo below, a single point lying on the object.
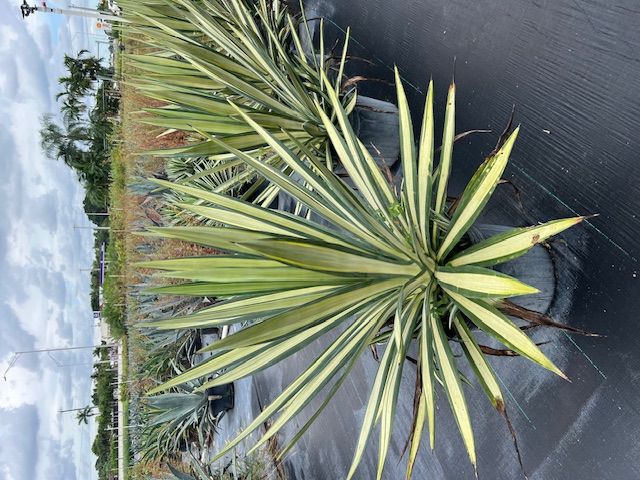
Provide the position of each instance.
(82, 71)
(61, 142)
(72, 109)
(83, 414)
(93, 170)
(99, 128)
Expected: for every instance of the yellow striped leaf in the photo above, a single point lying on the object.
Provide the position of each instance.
(478, 282)
(476, 196)
(488, 319)
(511, 244)
(452, 385)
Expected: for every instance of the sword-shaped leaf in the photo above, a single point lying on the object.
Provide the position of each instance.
(242, 308)
(373, 405)
(333, 205)
(446, 152)
(479, 363)
(354, 340)
(225, 290)
(309, 314)
(416, 435)
(408, 154)
(491, 321)
(335, 353)
(408, 319)
(427, 358)
(478, 282)
(476, 196)
(425, 170)
(330, 258)
(452, 385)
(511, 244)
(256, 218)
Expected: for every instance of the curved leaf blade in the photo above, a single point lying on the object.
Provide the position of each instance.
(502, 329)
(476, 196)
(478, 282)
(511, 244)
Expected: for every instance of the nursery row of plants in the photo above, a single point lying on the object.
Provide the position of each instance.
(302, 229)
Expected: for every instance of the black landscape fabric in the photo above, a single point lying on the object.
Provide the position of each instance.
(572, 68)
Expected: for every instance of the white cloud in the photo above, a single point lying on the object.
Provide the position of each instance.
(18, 391)
(8, 37)
(6, 474)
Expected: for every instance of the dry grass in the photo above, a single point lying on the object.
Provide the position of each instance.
(140, 211)
(140, 136)
(135, 212)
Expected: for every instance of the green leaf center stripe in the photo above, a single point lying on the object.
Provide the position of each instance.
(481, 282)
(510, 244)
(232, 310)
(309, 314)
(446, 153)
(476, 196)
(425, 169)
(310, 255)
(479, 363)
(502, 329)
(452, 385)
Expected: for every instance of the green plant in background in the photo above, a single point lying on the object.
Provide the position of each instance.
(391, 267)
(213, 62)
(206, 174)
(172, 420)
(165, 349)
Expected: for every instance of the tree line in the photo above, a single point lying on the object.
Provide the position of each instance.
(79, 136)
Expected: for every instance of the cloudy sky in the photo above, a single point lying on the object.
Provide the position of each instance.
(44, 297)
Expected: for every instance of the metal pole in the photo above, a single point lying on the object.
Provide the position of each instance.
(77, 409)
(102, 228)
(108, 345)
(92, 228)
(16, 355)
(89, 14)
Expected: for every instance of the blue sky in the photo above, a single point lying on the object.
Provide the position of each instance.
(44, 297)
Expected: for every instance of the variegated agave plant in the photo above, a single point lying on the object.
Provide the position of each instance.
(211, 59)
(391, 270)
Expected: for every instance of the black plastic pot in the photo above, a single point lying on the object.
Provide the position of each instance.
(221, 398)
(376, 123)
(210, 331)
